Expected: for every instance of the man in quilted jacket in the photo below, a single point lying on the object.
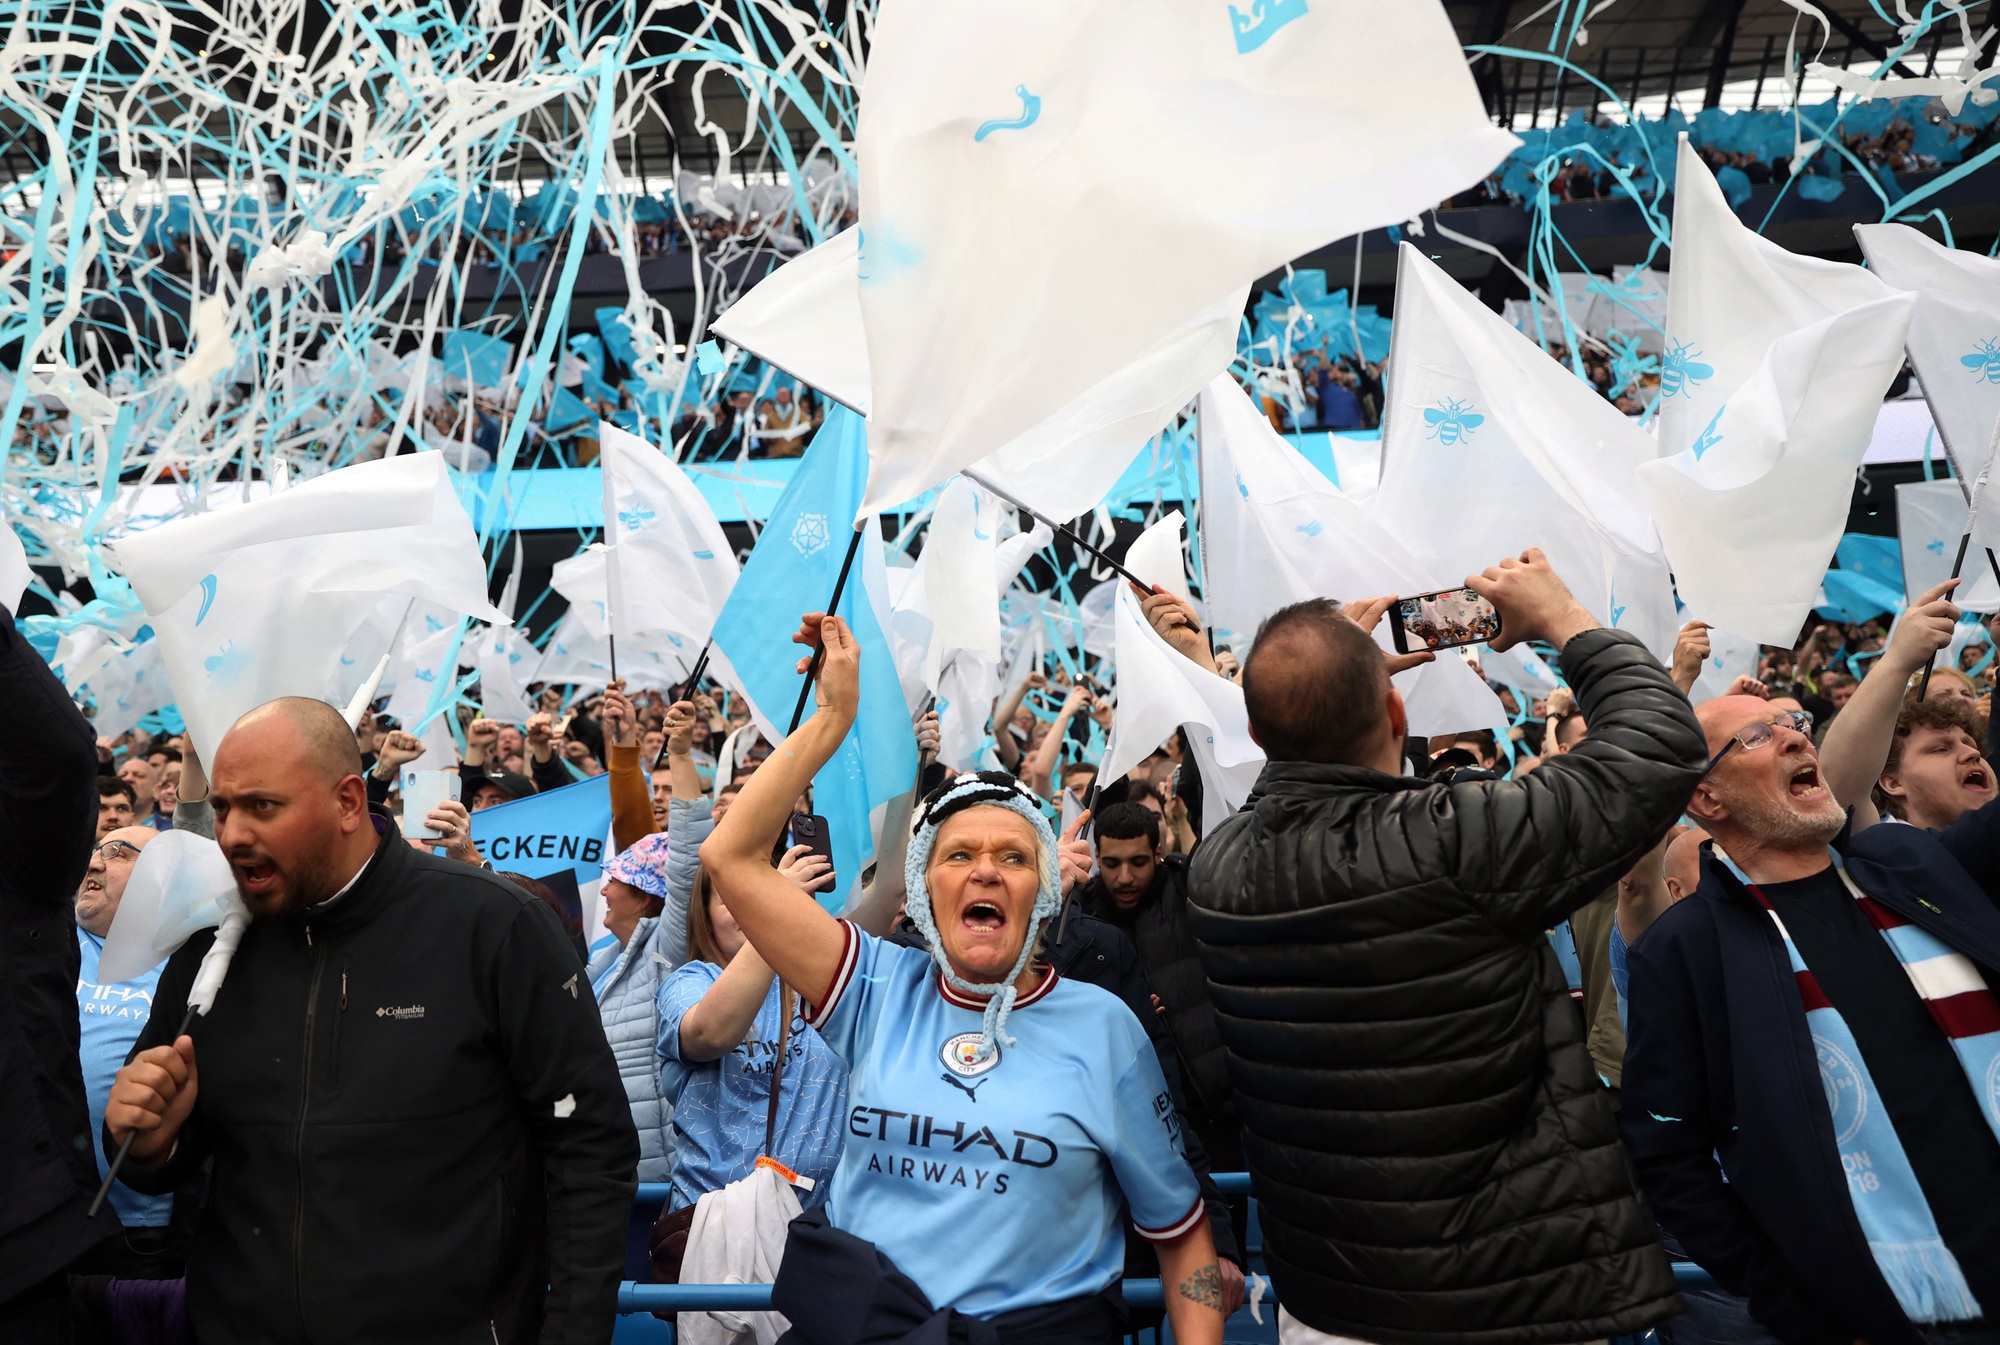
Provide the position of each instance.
(1434, 1153)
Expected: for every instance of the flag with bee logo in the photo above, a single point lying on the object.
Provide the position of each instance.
(1769, 389)
(1954, 340)
(1490, 447)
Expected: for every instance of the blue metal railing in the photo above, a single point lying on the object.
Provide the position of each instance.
(634, 1297)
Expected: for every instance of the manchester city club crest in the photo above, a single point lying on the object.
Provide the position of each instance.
(1846, 1098)
(961, 1061)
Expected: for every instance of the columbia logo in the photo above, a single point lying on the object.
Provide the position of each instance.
(400, 1011)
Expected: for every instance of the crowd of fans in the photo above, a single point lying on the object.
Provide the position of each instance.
(785, 1065)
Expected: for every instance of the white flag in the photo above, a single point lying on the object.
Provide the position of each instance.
(259, 601)
(1490, 447)
(1770, 388)
(1729, 657)
(15, 572)
(674, 564)
(1954, 340)
(1160, 690)
(1930, 519)
(805, 318)
(1052, 189)
(502, 654)
(1276, 532)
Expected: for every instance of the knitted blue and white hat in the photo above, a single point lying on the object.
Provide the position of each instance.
(993, 789)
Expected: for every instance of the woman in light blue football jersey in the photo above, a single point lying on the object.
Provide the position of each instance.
(1001, 1121)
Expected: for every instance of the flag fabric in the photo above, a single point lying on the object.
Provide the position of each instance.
(674, 562)
(574, 655)
(1160, 690)
(1030, 224)
(1275, 531)
(1930, 518)
(180, 884)
(260, 600)
(501, 653)
(1853, 596)
(1770, 388)
(1490, 447)
(960, 559)
(15, 572)
(1729, 657)
(805, 318)
(1954, 340)
(791, 571)
(476, 358)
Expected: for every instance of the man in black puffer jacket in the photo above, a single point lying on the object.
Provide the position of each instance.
(1435, 1156)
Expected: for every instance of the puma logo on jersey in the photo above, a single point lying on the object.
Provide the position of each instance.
(971, 1090)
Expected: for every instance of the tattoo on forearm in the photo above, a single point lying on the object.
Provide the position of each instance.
(1204, 1287)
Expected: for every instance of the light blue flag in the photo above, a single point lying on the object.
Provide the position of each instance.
(792, 571)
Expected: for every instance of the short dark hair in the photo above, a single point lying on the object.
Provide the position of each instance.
(1313, 685)
(1450, 758)
(1128, 822)
(1563, 735)
(1943, 713)
(107, 785)
(1074, 767)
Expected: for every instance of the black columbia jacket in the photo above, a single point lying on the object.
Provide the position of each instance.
(418, 1129)
(1434, 1155)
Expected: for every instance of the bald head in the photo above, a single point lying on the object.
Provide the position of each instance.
(1683, 865)
(1316, 687)
(291, 808)
(1724, 716)
(311, 732)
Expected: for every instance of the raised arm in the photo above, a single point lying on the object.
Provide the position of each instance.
(1561, 834)
(680, 751)
(1040, 774)
(790, 930)
(1690, 652)
(631, 805)
(1859, 738)
(1003, 741)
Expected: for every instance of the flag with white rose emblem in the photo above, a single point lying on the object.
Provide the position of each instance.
(791, 571)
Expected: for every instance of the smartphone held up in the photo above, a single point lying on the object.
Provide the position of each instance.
(1442, 620)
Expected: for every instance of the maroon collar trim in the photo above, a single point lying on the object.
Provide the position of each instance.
(954, 996)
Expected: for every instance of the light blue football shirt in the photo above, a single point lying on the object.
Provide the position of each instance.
(997, 1184)
(109, 1019)
(720, 1105)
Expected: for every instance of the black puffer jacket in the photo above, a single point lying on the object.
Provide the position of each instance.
(1435, 1156)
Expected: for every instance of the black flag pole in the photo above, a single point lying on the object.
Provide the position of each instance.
(1059, 528)
(1957, 564)
(839, 587)
(125, 1145)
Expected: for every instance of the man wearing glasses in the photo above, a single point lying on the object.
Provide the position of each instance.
(1812, 1080)
(109, 1018)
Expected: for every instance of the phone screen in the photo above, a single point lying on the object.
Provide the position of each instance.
(1443, 620)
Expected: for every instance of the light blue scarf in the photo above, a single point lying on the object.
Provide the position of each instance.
(1895, 1217)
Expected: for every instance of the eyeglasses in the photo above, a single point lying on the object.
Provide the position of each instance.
(1753, 736)
(111, 850)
